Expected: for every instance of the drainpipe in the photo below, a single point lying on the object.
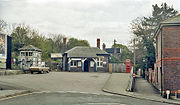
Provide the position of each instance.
(161, 64)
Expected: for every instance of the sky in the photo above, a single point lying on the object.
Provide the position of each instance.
(81, 19)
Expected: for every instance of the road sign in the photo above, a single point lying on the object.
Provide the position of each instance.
(134, 75)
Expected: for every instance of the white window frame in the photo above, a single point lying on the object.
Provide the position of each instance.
(30, 53)
(23, 53)
(79, 63)
(91, 64)
(73, 63)
(100, 61)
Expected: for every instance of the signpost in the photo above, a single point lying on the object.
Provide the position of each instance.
(134, 75)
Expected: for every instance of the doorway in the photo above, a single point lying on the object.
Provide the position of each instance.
(86, 66)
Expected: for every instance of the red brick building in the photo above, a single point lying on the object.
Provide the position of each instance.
(167, 66)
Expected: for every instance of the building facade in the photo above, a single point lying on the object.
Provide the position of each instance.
(29, 56)
(167, 66)
(85, 59)
(5, 51)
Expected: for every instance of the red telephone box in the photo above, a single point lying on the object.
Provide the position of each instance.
(128, 66)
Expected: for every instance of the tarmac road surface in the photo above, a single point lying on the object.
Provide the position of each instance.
(67, 98)
(57, 81)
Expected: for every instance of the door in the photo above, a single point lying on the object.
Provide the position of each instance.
(86, 66)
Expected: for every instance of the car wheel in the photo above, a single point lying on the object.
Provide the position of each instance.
(48, 71)
(31, 72)
(42, 72)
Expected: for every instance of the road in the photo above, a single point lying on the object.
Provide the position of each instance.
(64, 88)
(58, 81)
(55, 98)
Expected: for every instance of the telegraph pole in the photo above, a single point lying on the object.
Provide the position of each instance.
(134, 45)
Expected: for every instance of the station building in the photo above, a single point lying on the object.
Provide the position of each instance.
(167, 66)
(85, 59)
(29, 56)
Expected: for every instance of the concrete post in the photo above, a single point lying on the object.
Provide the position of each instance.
(69, 67)
(168, 93)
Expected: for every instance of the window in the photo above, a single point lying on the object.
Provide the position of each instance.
(79, 63)
(22, 54)
(30, 53)
(99, 62)
(26, 53)
(91, 64)
(73, 63)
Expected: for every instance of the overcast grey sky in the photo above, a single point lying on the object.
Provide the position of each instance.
(82, 19)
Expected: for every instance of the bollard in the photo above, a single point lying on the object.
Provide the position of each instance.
(168, 93)
(175, 94)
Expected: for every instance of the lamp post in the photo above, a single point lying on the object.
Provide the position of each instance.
(145, 71)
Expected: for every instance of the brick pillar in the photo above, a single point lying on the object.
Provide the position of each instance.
(104, 46)
(64, 44)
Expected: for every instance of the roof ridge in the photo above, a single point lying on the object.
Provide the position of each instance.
(85, 51)
(30, 47)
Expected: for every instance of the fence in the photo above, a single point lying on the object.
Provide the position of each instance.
(117, 67)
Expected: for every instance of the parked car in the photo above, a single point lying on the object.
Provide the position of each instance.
(39, 69)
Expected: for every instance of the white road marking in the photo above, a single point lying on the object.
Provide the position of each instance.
(10, 97)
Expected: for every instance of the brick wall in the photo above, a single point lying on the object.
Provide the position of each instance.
(157, 65)
(170, 59)
(76, 69)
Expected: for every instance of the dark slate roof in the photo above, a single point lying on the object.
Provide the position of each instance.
(111, 50)
(81, 51)
(175, 19)
(29, 48)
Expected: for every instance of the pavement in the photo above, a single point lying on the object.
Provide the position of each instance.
(4, 72)
(118, 83)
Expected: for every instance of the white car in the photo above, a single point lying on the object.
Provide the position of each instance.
(39, 69)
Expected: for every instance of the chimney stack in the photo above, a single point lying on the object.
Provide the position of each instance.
(98, 43)
(104, 46)
(115, 50)
(64, 44)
